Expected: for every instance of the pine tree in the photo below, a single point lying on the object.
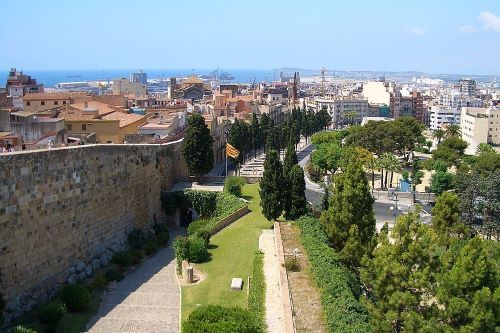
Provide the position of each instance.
(265, 126)
(271, 186)
(446, 221)
(290, 158)
(296, 193)
(351, 204)
(197, 147)
(272, 141)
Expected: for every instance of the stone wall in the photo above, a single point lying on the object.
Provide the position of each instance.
(63, 212)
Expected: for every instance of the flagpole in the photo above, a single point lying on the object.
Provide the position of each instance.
(225, 151)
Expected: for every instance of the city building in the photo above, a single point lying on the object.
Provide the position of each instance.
(192, 88)
(124, 87)
(18, 85)
(139, 77)
(441, 116)
(467, 86)
(36, 102)
(345, 110)
(480, 125)
(38, 128)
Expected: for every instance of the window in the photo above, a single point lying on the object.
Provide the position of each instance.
(28, 103)
(42, 103)
(56, 102)
(84, 127)
(64, 102)
(69, 127)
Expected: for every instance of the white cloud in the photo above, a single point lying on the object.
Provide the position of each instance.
(490, 21)
(467, 28)
(417, 31)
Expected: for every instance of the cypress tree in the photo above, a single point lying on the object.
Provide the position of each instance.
(297, 187)
(271, 185)
(272, 142)
(197, 147)
(255, 133)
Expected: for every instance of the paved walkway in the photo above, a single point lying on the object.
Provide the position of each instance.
(274, 315)
(147, 300)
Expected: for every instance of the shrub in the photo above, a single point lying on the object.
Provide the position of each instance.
(136, 255)
(194, 226)
(340, 289)
(114, 273)
(150, 247)
(218, 319)
(233, 185)
(226, 204)
(205, 234)
(170, 201)
(181, 248)
(122, 258)
(159, 228)
(162, 238)
(22, 329)
(197, 249)
(76, 297)
(257, 293)
(136, 238)
(51, 313)
(99, 282)
(202, 201)
(292, 264)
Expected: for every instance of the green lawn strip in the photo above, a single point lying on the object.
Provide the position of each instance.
(232, 255)
(76, 322)
(257, 294)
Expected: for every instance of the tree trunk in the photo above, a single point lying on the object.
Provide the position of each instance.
(381, 179)
(392, 174)
(386, 176)
(373, 180)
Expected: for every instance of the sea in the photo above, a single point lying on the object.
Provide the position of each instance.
(52, 77)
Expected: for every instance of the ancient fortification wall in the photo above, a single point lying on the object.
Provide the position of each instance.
(64, 211)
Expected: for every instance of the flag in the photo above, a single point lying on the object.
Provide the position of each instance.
(231, 151)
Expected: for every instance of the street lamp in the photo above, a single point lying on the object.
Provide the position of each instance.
(393, 213)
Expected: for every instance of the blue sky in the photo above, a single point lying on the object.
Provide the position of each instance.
(445, 36)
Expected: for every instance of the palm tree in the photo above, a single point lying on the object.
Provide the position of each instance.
(381, 165)
(438, 135)
(392, 165)
(372, 165)
(453, 130)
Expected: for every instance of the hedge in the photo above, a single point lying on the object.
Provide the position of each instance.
(233, 184)
(219, 319)
(257, 294)
(339, 287)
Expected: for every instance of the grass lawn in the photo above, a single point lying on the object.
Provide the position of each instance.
(232, 253)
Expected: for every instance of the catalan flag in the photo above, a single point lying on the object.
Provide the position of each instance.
(231, 151)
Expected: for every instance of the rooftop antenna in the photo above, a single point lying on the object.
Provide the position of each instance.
(322, 71)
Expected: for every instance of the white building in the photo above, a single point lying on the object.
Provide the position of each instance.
(480, 125)
(457, 101)
(440, 115)
(123, 87)
(345, 110)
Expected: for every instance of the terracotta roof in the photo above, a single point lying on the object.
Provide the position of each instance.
(124, 118)
(45, 96)
(102, 108)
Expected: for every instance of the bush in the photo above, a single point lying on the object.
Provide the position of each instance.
(76, 297)
(257, 293)
(197, 249)
(194, 226)
(22, 329)
(340, 289)
(159, 228)
(99, 282)
(181, 248)
(218, 319)
(205, 234)
(233, 184)
(150, 247)
(136, 255)
(114, 273)
(292, 264)
(51, 313)
(122, 258)
(136, 238)
(202, 201)
(162, 238)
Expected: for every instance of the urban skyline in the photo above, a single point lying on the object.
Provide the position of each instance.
(455, 37)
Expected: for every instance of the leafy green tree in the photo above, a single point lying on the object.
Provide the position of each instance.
(328, 137)
(441, 181)
(446, 220)
(325, 199)
(486, 162)
(483, 148)
(416, 174)
(323, 118)
(271, 186)
(256, 134)
(327, 157)
(468, 287)
(298, 202)
(239, 137)
(197, 147)
(451, 150)
(399, 277)
(351, 204)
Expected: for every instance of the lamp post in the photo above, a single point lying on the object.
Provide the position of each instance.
(393, 213)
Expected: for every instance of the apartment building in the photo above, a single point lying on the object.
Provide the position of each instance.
(441, 116)
(345, 110)
(480, 125)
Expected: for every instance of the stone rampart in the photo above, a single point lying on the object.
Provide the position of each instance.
(63, 212)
